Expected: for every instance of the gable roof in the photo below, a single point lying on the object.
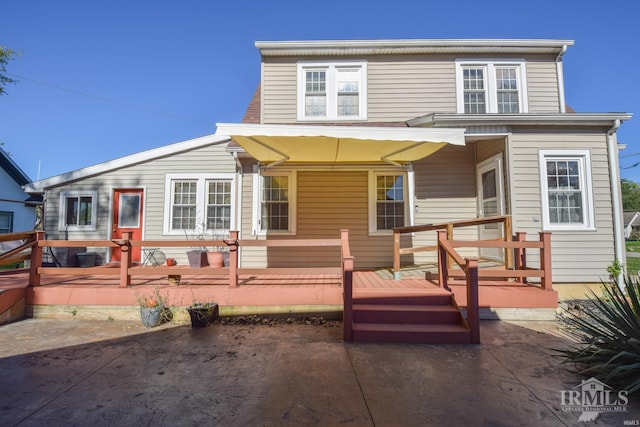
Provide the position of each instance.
(133, 159)
(12, 169)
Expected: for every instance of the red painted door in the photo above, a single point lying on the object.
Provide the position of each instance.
(127, 216)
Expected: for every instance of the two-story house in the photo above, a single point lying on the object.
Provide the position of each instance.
(368, 136)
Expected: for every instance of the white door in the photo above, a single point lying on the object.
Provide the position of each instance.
(490, 202)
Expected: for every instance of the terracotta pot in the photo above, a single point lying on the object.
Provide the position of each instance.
(215, 259)
(171, 262)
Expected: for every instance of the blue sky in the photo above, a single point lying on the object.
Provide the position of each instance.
(100, 80)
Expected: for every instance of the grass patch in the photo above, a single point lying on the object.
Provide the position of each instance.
(633, 245)
(633, 266)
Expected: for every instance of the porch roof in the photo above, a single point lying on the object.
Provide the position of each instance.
(273, 144)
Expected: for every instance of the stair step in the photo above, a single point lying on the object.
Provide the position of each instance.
(411, 333)
(402, 298)
(408, 313)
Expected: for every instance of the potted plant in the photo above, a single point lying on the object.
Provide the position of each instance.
(153, 309)
(216, 255)
(202, 313)
(197, 256)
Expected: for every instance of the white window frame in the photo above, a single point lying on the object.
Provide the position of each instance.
(331, 69)
(373, 212)
(10, 216)
(584, 163)
(201, 199)
(258, 185)
(491, 91)
(62, 218)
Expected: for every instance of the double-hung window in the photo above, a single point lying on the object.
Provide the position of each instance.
(491, 87)
(78, 210)
(199, 202)
(332, 91)
(567, 196)
(387, 200)
(274, 200)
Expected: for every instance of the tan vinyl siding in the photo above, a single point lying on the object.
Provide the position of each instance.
(578, 256)
(151, 177)
(543, 87)
(488, 148)
(445, 190)
(405, 86)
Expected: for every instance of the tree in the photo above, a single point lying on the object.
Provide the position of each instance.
(6, 55)
(630, 195)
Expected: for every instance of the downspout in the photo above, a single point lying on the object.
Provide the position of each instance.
(560, 77)
(616, 197)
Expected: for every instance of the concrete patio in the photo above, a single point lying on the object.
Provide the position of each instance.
(77, 372)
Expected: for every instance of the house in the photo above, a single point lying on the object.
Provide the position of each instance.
(631, 223)
(17, 208)
(368, 136)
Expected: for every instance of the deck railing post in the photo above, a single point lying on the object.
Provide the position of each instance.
(545, 260)
(443, 268)
(35, 261)
(347, 285)
(520, 255)
(233, 258)
(508, 235)
(125, 259)
(473, 309)
(396, 255)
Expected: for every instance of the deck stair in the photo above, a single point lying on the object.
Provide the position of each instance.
(408, 316)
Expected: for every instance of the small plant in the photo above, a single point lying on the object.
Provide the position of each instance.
(151, 301)
(608, 336)
(110, 319)
(74, 311)
(615, 269)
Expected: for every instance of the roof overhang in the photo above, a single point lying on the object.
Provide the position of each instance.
(412, 46)
(437, 120)
(275, 144)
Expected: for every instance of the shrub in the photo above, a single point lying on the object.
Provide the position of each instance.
(607, 336)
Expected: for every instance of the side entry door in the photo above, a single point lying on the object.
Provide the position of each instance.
(127, 216)
(490, 202)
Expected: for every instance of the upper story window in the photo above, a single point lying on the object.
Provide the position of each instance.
(78, 210)
(491, 87)
(567, 195)
(332, 91)
(198, 202)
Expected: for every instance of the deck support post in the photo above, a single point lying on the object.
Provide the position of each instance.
(125, 258)
(473, 309)
(396, 256)
(347, 286)
(449, 264)
(232, 243)
(36, 260)
(545, 260)
(508, 236)
(520, 262)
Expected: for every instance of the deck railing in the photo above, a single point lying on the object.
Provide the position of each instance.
(449, 227)
(127, 270)
(19, 245)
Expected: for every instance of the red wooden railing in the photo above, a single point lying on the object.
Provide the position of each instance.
(21, 244)
(127, 270)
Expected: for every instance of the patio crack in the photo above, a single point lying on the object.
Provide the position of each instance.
(364, 398)
(70, 387)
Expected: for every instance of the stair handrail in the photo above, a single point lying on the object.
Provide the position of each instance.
(449, 227)
(470, 268)
(23, 241)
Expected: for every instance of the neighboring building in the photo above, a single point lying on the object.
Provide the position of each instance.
(370, 135)
(631, 223)
(17, 208)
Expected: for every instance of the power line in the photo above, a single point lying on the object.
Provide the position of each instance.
(111, 101)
